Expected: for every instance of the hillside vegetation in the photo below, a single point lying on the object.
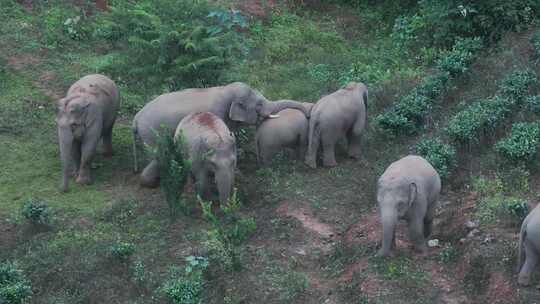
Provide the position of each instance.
(457, 82)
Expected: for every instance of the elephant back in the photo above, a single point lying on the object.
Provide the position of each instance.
(205, 127)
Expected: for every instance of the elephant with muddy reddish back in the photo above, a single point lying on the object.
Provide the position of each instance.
(408, 189)
(342, 114)
(86, 115)
(211, 149)
(289, 130)
(233, 103)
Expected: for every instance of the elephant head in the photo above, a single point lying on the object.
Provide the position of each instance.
(73, 118)
(222, 162)
(248, 105)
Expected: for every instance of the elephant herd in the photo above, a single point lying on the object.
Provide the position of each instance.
(408, 189)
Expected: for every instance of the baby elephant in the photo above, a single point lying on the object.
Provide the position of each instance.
(289, 130)
(85, 116)
(408, 189)
(340, 114)
(529, 246)
(211, 148)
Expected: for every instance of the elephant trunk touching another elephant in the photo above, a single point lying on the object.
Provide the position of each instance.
(236, 102)
(86, 115)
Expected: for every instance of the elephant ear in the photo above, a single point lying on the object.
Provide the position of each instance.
(413, 190)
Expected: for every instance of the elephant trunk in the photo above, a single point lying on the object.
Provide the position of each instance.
(65, 138)
(388, 221)
(224, 182)
(274, 107)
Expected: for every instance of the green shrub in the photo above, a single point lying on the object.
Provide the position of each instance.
(14, 287)
(173, 169)
(292, 284)
(532, 103)
(37, 212)
(518, 208)
(458, 60)
(60, 25)
(433, 86)
(442, 156)
(483, 115)
(394, 123)
(522, 144)
(173, 43)
(186, 288)
(516, 84)
(122, 251)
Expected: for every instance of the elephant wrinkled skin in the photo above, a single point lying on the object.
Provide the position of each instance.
(408, 189)
(340, 114)
(289, 130)
(529, 246)
(235, 102)
(211, 149)
(84, 116)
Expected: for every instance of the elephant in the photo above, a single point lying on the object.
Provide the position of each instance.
(335, 116)
(233, 103)
(290, 130)
(408, 189)
(211, 149)
(86, 115)
(529, 246)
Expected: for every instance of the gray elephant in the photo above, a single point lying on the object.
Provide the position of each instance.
(236, 102)
(289, 130)
(529, 246)
(211, 149)
(86, 115)
(335, 116)
(408, 189)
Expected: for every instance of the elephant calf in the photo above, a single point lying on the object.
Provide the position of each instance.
(211, 148)
(340, 114)
(408, 189)
(289, 130)
(86, 115)
(529, 246)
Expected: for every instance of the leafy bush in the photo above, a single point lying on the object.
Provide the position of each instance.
(483, 115)
(432, 86)
(187, 288)
(173, 169)
(516, 84)
(122, 251)
(168, 42)
(14, 287)
(60, 25)
(522, 144)
(518, 208)
(37, 212)
(442, 156)
(395, 123)
(532, 103)
(458, 60)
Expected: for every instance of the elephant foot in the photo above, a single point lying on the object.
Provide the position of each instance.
(524, 280)
(311, 163)
(382, 253)
(354, 155)
(330, 163)
(83, 180)
(149, 183)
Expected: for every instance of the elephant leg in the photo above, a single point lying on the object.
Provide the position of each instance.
(150, 175)
(76, 156)
(267, 154)
(88, 148)
(354, 145)
(416, 234)
(329, 154)
(388, 234)
(107, 143)
(202, 184)
(531, 259)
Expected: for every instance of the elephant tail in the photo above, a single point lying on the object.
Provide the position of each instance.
(135, 133)
(521, 252)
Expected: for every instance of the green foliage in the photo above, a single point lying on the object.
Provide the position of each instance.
(173, 169)
(532, 103)
(398, 268)
(122, 251)
(448, 254)
(37, 212)
(186, 288)
(168, 42)
(432, 86)
(292, 284)
(14, 287)
(483, 115)
(522, 144)
(516, 84)
(62, 25)
(458, 60)
(442, 156)
(395, 123)
(518, 208)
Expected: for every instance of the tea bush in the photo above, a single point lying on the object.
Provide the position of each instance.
(440, 155)
(186, 288)
(532, 103)
(523, 143)
(14, 287)
(516, 84)
(458, 60)
(37, 212)
(122, 251)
